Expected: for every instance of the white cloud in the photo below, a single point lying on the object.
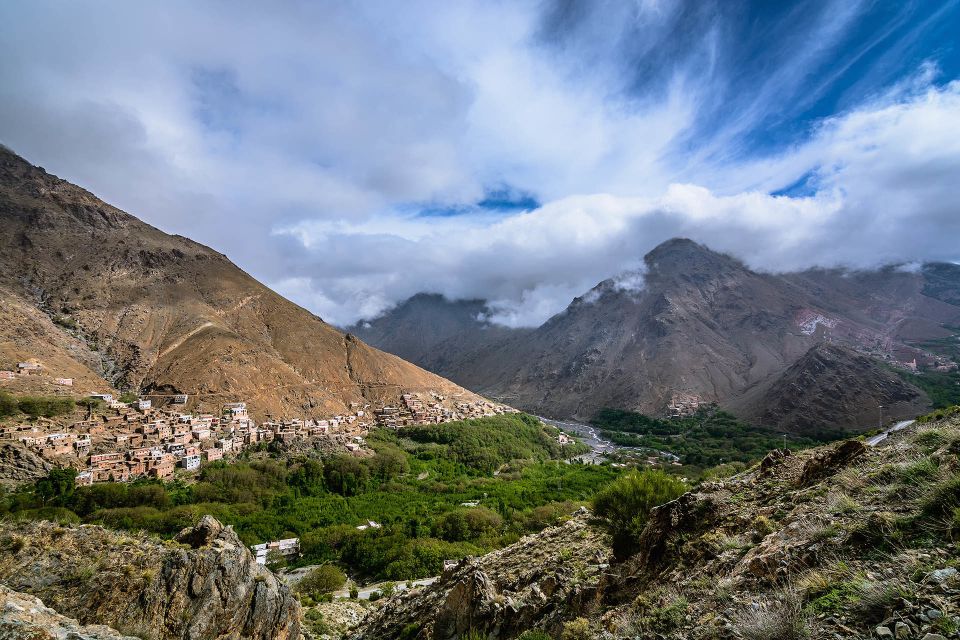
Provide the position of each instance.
(886, 192)
(297, 138)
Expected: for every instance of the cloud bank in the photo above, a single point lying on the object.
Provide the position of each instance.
(518, 152)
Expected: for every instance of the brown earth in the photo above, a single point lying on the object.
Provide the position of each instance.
(136, 308)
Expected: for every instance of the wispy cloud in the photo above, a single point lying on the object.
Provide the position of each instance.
(354, 155)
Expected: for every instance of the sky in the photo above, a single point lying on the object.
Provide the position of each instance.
(350, 155)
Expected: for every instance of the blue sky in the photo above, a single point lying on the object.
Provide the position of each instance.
(353, 155)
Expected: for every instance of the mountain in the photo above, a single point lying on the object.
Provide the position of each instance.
(827, 387)
(697, 323)
(95, 294)
(433, 331)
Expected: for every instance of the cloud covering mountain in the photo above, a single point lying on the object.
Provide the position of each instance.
(517, 152)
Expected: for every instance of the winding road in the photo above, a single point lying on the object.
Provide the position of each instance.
(880, 437)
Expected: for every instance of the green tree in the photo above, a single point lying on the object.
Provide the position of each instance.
(58, 486)
(321, 581)
(346, 475)
(8, 405)
(625, 503)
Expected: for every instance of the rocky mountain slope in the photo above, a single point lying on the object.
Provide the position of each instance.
(702, 324)
(205, 584)
(428, 328)
(97, 295)
(841, 542)
(824, 388)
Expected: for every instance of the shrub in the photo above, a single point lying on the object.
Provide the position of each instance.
(762, 527)
(534, 634)
(8, 405)
(46, 407)
(316, 623)
(782, 620)
(873, 601)
(467, 524)
(578, 629)
(624, 505)
(322, 580)
(919, 472)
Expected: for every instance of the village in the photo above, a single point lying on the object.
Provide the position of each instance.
(123, 441)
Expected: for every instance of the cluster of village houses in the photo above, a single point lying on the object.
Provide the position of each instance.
(136, 439)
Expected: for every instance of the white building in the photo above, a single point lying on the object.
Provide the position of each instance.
(286, 548)
(191, 462)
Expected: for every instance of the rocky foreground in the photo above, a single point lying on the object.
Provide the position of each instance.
(204, 584)
(841, 542)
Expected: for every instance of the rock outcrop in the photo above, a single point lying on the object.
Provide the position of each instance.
(24, 617)
(536, 582)
(205, 584)
(19, 465)
(830, 461)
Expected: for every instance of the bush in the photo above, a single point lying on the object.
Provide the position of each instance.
(467, 524)
(322, 580)
(873, 601)
(943, 498)
(8, 405)
(578, 629)
(45, 407)
(782, 620)
(534, 635)
(625, 504)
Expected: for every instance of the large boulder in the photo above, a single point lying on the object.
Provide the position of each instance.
(24, 617)
(827, 463)
(206, 584)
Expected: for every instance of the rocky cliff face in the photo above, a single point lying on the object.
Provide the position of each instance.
(205, 584)
(842, 542)
(19, 465)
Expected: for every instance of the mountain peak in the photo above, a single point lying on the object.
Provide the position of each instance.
(684, 256)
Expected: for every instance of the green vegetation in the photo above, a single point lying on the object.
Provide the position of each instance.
(943, 388)
(413, 486)
(624, 504)
(321, 581)
(709, 437)
(35, 406)
(66, 322)
(939, 414)
(128, 397)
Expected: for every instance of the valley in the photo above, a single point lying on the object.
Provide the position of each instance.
(234, 439)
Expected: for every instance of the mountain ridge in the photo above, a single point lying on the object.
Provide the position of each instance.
(169, 315)
(699, 323)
